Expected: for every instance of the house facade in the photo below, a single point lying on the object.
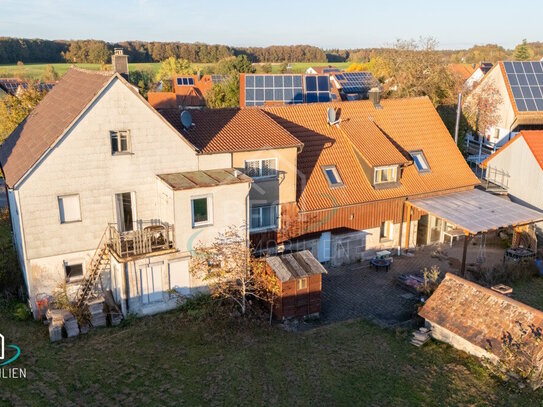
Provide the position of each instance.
(89, 168)
(515, 92)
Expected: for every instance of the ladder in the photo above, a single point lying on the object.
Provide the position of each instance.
(99, 262)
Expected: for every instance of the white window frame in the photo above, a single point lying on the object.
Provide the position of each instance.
(74, 262)
(275, 217)
(299, 283)
(117, 134)
(209, 220)
(423, 159)
(60, 212)
(260, 160)
(394, 169)
(334, 169)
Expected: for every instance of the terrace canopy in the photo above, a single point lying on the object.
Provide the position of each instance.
(476, 211)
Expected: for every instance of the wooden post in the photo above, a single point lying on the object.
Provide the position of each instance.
(467, 239)
(408, 225)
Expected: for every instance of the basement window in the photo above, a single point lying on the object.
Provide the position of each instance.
(74, 271)
(420, 161)
(332, 176)
(120, 142)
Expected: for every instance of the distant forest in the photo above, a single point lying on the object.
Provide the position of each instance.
(13, 50)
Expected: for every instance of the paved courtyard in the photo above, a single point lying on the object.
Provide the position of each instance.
(359, 291)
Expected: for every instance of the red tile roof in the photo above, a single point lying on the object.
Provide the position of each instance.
(464, 71)
(48, 121)
(382, 136)
(480, 315)
(534, 139)
(229, 130)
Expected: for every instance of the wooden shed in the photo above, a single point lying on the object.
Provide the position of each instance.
(300, 284)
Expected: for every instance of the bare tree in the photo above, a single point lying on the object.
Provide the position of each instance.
(481, 107)
(231, 271)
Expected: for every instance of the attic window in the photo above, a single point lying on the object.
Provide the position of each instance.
(420, 161)
(332, 176)
(185, 81)
(383, 175)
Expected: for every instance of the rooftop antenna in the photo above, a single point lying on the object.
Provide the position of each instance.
(331, 116)
(186, 119)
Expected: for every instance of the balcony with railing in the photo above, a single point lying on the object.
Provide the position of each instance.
(149, 237)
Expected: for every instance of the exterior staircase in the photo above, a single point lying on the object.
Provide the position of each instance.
(100, 261)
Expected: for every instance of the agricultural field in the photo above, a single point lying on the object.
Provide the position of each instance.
(35, 71)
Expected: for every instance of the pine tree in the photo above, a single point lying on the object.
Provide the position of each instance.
(522, 51)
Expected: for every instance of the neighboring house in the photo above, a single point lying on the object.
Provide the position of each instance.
(100, 184)
(321, 70)
(14, 86)
(519, 89)
(518, 167)
(189, 92)
(470, 74)
(474, 319)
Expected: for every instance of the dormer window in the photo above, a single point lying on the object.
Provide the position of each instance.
(420, 161)
(384, 175)
(332, 176)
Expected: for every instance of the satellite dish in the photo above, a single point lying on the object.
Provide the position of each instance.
(186, 119)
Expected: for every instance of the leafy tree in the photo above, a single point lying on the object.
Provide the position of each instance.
(283, 68)
(99, 53)
(143, 79)
(267, 68)
(49, 75)
(173, 66)
(481, 107)
(231, 271)
(224, 94)
(14, 109)
(523, 52)
(239, 64)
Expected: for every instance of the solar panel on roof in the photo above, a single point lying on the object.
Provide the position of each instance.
(357, 82)
(218, 78)
(526, 81)
(317, 88)
(260, 89)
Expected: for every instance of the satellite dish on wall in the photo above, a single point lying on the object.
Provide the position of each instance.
(186, 119)
(331, 116)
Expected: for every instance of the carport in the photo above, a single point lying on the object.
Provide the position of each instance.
(474, 212)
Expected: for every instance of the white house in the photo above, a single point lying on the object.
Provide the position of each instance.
(518, 98)
(100, 184)
(520, 161)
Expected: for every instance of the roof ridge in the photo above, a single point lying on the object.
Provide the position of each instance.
(92, 71)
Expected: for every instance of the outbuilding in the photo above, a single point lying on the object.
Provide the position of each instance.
(300, 283)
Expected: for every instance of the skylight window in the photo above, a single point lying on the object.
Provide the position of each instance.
(332, 175)
(420, 161)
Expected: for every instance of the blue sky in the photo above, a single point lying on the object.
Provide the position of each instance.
(328, 24)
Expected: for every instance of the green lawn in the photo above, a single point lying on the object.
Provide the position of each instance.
(35, 71)
(530, 292)
(176, 359)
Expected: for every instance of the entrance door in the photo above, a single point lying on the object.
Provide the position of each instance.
(422, 231)
(126, 211)
(325, 243)
(180, 277)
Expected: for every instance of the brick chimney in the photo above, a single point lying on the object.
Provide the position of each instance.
(120, 62)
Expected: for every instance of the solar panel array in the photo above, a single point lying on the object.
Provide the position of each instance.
(185, 81)
(357, 82)
(288, 89)
(260, 89)
(12, 85)
(526, 80)
(218, 78)
(317, 88)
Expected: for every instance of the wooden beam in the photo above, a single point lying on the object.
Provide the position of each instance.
(467, 239)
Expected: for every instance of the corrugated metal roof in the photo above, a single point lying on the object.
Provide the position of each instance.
(477, 211)
(201, 179)
(295, 265)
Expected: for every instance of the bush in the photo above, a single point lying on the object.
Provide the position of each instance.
(506, 273)
(21, 312)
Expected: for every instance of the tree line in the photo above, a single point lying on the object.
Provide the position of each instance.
(13, 50)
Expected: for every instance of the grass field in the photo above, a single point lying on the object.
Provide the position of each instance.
(177, 359)
(35, 71)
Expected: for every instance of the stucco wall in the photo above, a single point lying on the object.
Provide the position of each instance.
(82, 164)
(278, 190)
(228, 206)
